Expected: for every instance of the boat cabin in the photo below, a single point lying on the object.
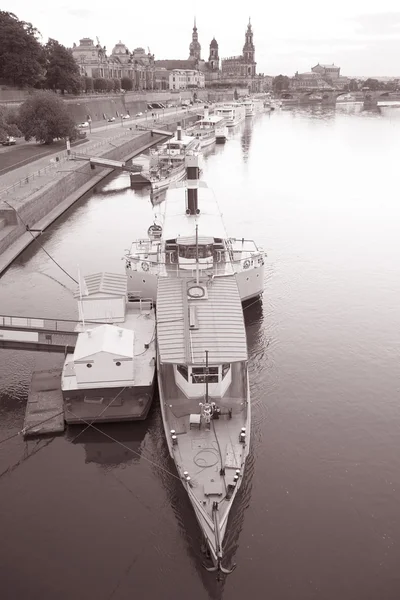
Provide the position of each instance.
(187, 252)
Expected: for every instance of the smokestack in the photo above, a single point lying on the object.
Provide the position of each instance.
(179, 132)
(192, 173)
(206, 112)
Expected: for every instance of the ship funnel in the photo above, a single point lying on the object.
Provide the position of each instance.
(179, 132)
(206, 112)
(192, 173)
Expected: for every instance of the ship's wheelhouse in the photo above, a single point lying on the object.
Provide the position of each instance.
(186, 253)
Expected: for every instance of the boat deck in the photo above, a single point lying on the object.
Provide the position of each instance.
(143, 324)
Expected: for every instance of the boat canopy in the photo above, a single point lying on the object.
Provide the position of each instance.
(219, 324)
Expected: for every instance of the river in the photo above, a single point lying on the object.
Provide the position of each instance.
(83, 516)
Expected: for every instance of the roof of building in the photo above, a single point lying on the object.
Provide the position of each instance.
(178, 224)
(220, 324)
(176, 64)
(105, 338)
(325, 66)
(114, 284)
(214, 43)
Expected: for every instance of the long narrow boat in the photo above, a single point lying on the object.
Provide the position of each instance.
(203, 377)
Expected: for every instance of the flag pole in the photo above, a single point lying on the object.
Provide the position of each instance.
(80, 296)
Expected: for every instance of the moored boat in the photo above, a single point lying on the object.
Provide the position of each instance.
(169, 249)
(204, 395)
(110, 376)
(166, 164)
(233, 113)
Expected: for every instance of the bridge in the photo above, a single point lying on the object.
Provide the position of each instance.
(312, 96)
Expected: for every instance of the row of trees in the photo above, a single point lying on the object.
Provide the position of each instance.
(43, 117)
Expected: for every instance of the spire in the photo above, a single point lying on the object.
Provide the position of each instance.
(194, 26)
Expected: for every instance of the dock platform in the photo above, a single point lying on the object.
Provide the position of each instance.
(45, 409)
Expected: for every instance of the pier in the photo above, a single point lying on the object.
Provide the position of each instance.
(45, 408)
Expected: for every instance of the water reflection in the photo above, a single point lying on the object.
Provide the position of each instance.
(112, 444)
(245, 138)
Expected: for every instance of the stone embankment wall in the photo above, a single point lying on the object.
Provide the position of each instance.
(98, 105)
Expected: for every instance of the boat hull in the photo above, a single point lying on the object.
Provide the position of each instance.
(107, 405)
(204, 520)
(250, 283)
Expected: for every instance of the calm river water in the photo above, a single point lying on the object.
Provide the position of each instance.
(84, 517)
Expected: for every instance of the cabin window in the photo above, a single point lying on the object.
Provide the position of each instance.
(89, 365)
(225, 369)
(117, 364)
(183, 370)
(199, 375)
(204, 251)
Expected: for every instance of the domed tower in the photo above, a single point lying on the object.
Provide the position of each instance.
(249, 51)
(195, 48)
(213, 59)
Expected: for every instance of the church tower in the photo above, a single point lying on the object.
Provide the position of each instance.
(249, 51)
(195, 48)
(213, 59)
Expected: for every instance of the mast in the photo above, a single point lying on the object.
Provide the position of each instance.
(197, 254)
(206, 376)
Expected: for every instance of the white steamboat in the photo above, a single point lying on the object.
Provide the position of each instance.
(169, 249)
(233, 113)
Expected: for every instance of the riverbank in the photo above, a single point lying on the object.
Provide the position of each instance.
(43, 198)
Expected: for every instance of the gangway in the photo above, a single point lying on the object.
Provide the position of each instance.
(33, 333)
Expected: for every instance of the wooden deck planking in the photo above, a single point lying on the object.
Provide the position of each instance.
(45, 408)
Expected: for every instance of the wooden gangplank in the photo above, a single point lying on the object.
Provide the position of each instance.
(45, 408)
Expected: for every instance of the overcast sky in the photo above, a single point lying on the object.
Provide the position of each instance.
(360, 36)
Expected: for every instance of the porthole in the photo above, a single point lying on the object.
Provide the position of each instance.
(89, 366)
(118, 364)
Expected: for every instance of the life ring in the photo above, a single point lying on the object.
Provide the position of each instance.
(145, 266)
(246, 264)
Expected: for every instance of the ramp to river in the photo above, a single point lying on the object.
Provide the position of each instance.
(45, 408)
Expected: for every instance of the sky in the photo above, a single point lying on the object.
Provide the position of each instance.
(360, 36)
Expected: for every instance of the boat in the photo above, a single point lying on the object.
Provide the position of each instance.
(204, 395)
(111, 374)
(168, 249)
(252, 106)
(209, 129)
(233, 113)
(202, 371)
(166, 164)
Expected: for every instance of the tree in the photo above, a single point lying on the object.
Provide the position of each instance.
(88, 84)
(372, 84)
(109, 85)
(235, 94)
(62, 71)
(126, 84)
(353, 85)
(8, 123)
(21, 55)
(44, 116)
(100, 84)
(280, 83)
(117, 85)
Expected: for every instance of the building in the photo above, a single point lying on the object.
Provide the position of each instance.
(94, 62)
(194, 47)
(330, 72)
(184, 79)
(308, 82)
(240, 71)
(92, 59)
